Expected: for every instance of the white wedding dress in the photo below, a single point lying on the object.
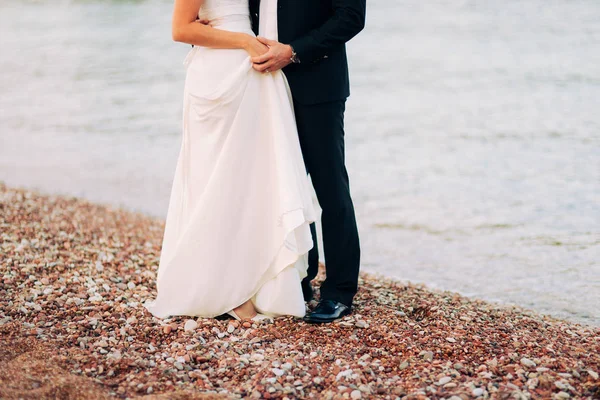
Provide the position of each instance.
(238, 220)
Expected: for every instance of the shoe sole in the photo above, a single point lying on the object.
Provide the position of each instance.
(320, 320)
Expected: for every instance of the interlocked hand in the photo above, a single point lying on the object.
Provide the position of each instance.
(278, 56)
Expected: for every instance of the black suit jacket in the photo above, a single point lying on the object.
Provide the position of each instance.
(318, 31)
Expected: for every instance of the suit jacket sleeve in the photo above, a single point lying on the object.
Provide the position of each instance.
(347, 20)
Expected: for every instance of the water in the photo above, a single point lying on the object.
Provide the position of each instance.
(473, 133)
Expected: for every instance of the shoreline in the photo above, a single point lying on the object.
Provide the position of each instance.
(75, 275)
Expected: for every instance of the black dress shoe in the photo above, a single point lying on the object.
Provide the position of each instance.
(307, 291)
(327, 311)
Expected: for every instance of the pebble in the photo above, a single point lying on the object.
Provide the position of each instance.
(478, 392)
(593, 374)
(364, 388)
(343, 374)
(527, 362)
(190, 325)
(361, 324)
(356, 394)
(443, 380)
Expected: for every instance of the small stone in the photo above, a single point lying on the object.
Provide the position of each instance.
(277, 371)
(361, 324)
(230, 328)
(364, 388)
(167, 329)
(593, 374)
(287, 366)
(404, 365)
(562, 395)
(190, 325)
(356, 394)
(343, 374)
(562, 385)
(428, 356)
(451, 339)
(443, 380)
(477, 392)
(527, 362)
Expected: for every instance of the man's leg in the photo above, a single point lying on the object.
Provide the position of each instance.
(321, 133)
(313, 256)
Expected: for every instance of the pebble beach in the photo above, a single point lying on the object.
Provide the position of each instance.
(74, 276)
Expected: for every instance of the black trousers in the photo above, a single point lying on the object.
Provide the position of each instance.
(321, 133)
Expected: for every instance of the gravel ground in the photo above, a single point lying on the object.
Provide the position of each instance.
(74, 276)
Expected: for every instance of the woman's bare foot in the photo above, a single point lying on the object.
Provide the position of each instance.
(246, 310)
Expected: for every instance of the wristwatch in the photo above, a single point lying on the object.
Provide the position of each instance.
(294, 58)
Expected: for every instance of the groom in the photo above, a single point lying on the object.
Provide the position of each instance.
(312, 53)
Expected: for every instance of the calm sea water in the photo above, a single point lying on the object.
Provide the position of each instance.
(473, 132)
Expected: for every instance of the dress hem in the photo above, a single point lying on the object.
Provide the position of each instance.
(302, 249)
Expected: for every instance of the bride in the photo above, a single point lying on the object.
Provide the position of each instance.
(237, 228)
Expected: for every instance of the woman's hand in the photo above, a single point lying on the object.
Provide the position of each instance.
(254, 47)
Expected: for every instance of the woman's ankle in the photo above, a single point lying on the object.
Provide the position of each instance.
(246, 310)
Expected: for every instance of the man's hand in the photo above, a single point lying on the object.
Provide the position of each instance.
(278, 56)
